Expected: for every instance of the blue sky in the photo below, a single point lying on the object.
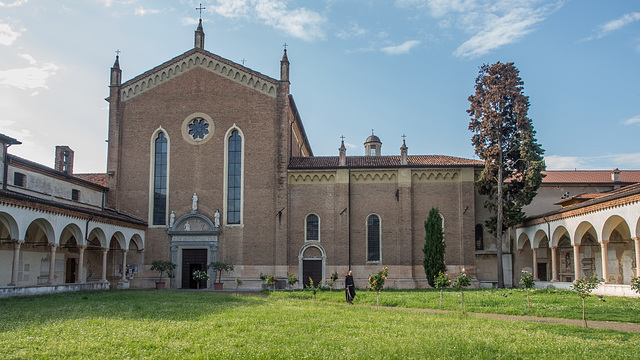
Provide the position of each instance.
(398, 67)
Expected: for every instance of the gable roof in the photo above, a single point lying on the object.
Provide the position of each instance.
(326, 162)
(589, 177)
(204, 59)
(625, 195)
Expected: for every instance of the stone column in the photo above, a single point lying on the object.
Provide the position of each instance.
(554, 264)
(105, 251)
(16, 261)
(535, 264)
(605, 263)
(124, 265)
(52, 263)
(79, 268)
(576, 261)
(637, 243)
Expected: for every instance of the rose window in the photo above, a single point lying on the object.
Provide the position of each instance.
(198, 128)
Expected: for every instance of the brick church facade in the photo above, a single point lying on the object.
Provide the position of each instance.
(200, 134)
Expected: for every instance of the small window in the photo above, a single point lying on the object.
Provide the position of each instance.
(479, 237)
(75, 195)
(19, 179)
(313, 228)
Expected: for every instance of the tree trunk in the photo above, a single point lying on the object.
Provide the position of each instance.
(499, 215)
(441, 291)
(583, 317)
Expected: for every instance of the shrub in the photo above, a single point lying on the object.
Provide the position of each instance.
(199, 276)
(584, 286)
(462, 281)
(376, 282)
(527, 281)
(292, 279)
(441, 281)
(163, 266)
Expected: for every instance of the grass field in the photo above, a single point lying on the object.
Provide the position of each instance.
(176, 324)
(544, 302)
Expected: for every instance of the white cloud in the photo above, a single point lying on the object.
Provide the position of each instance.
(500, 31)
(189, 21)
(15, 3)
(350, 145)
(610, 161)
(403, 48)
(29, 58)
(491, 23)
(301, 22)
(142, 11)
(632, 120)
(8, 35)
(619, 23)
(354, 31)
(32, 77)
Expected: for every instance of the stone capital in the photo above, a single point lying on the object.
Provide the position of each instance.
(104, 250)
(53, 245)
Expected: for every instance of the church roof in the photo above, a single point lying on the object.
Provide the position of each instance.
(324, 162)
(34, 166)
(372, 138)
(191, 59)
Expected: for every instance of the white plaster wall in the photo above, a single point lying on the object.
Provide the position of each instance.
(51, 188)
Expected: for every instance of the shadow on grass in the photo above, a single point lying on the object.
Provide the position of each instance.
(121, 304)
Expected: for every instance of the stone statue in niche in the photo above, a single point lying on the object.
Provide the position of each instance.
(194, 203)
(187, 226)
(172, 219)
(216, 219)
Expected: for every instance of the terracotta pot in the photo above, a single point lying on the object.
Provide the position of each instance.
(217, 286)
(160, 285)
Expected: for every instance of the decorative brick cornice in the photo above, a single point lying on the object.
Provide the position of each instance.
(202, 59)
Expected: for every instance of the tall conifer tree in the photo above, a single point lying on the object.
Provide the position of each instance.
(434, 246)
(504, 138)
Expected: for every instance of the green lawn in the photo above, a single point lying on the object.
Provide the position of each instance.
(176, 324)
(544, 302)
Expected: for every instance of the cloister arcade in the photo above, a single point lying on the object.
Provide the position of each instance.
(50, 248)
(602, 239)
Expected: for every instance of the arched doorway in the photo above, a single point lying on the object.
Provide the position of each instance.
(312, 264)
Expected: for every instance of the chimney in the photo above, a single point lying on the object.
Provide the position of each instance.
(615, 175)
(64, 159)
(343, 154)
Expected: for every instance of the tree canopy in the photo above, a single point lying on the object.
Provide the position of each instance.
(434, 246)
(504, 138)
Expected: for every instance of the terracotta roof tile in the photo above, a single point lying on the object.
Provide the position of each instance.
(589, 176)
(320, 162)
(96, 178)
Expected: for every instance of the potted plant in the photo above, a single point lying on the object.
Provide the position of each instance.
(199, 276)
(218, 268)
(162, 267)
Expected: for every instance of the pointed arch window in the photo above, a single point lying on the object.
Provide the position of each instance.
(234, 178)
(479, 237)
(313, 228)
(160, 181)
(373, 238)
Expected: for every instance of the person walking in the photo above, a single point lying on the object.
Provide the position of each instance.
(350, 288)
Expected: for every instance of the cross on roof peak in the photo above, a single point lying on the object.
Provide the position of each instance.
(118, 52)
(342, 137)
(200, 8)
(403, 136)
(285, 46)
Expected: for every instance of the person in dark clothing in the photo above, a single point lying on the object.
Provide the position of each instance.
(350, 288)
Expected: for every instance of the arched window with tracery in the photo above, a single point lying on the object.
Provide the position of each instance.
(160, 180)
(312, 228)
(234, 178)
(373, 238)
